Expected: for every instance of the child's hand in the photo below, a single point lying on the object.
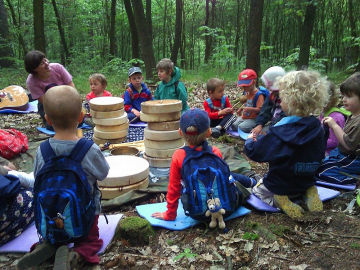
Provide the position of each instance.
(329, 121)
(239, 111)
(227, 111)
(252, 136)
(256, 130)
(158, 215)
(136, 112)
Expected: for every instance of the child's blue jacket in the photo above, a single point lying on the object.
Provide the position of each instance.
(294, 148)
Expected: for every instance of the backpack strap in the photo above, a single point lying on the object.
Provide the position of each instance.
(176, 88)
(262, 91)
(223, 101)
(46, 151)
(80, 149)
(130, 91)
(211, 105)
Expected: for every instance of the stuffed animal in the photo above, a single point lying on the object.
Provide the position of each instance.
(216, 213)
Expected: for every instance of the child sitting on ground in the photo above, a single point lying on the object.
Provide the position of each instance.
(338, 114)
(62, 106)
(98, 85)
(218, 107)
(343, 165)
(271, 109)
(136, 94)
(170, 86)
(294, 147)
(254, 101)
(195, 128)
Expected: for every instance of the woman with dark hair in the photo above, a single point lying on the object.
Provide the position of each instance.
(44, 75)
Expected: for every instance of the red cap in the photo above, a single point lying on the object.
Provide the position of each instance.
(246, 77)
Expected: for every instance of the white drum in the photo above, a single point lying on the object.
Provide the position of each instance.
(161, 106)
(106, 104)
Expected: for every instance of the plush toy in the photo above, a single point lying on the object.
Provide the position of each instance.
(216, 213)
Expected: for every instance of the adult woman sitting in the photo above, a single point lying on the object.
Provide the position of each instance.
(44, 75)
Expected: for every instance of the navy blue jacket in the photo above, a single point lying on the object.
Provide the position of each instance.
(294, 148)
(266, 113)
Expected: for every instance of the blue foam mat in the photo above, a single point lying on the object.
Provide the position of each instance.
(138, 124)
(324, 194)
(52, 133)
(182, 221)
(341, 186)
(30, 109)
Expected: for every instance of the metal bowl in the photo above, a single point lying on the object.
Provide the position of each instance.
(125, 150)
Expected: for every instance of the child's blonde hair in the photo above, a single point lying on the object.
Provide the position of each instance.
(213, 83)
(304, 92)
(62, 104)
(165, 64)
(99, 77)
(334, 97)
(194, 139)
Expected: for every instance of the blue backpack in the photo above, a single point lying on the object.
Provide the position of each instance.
(205, 176)
(211, 105)
(64, 206)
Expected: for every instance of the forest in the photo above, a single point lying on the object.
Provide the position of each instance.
(209, 37)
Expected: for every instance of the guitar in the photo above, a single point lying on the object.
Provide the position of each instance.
(14, 97)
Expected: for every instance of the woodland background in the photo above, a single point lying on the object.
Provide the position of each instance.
(205, 38)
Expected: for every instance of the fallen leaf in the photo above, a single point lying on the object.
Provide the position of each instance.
(298, 267)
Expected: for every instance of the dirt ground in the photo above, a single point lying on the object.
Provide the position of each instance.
(329, 240)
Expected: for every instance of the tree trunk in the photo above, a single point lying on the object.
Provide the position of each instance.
(133, 30)
(145, 39)
(5, 50)
(164, 29)
(305, 41)
(178, 26)
(61, 31)
(354, 49)
(112, 29)
(17, 26)
(148, 17)
(237, 30)
(183, 41)
(254, 39)
(39, 34)
(207, 37)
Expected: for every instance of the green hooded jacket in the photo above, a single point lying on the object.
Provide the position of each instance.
(168, 91)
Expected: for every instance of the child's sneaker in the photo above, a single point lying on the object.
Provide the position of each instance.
(291, 209)
(312, 200)
(40, 254)
(215, 132)
(66, 259)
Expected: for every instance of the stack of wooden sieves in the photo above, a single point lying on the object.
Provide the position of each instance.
(110, 119)
(161, 137)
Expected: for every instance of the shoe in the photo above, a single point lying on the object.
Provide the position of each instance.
(40, 254)
(66, 259)
(312, 200)
(215, 133)
(291, 209)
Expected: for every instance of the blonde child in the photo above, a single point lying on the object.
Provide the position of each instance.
(343, 163)
(62, 106)
(218, 107)
(136, 94)
(254, 101)
(170, 86)
(98, 85)
(294, 147)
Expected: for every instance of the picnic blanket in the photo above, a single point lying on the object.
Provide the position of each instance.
(243, 135)
(182, 221)
(25, 240)
(324, 194)
(52, 133)
(30, 109)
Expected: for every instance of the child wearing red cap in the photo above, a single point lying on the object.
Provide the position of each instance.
(254, 101)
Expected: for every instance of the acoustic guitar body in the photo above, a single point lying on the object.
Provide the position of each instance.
(14, 97)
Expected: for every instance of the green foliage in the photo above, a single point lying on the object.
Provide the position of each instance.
(250, 236)
(186, 253)
(355, 245)
(279, 230)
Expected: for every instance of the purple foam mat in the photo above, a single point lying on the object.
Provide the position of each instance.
(341, 186)
(30, 109)
(324, 194)
(138, 124)
(25, 240)
(239, 133)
